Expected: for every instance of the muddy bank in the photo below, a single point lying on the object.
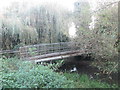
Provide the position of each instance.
(83, 66)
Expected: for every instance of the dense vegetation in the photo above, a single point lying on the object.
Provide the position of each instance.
(23, 23)
(83, 81)
(102, 37)
(42, 23)
(19, 74)
(31, 25)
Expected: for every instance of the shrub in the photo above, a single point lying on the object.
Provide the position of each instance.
(55, 64)
(28, 75)
(9, 65)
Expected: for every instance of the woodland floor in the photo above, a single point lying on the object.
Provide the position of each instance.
(84, 67)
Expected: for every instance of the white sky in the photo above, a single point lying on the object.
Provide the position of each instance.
(72, 30)
(69, 4)
(65, 3)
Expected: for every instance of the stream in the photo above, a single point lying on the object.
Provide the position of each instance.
(82, 65)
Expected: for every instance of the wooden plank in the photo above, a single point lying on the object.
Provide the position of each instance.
(47, 50)
(55, 58)
(42, 44)
(52, 55)
(8, 52)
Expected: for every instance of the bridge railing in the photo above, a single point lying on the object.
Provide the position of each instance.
(45, 49)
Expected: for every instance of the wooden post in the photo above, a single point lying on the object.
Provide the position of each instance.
(26, 52)
(20, 53)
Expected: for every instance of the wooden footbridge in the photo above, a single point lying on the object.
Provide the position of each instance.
(52, 51)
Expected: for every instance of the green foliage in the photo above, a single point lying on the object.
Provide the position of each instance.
(107, 67)
(101, 39)
(55, 65)
(9, 65)
(24, 74)
(83, 81)
(31, 50)
(28, 75)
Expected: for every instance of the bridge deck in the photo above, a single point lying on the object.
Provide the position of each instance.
(47, 52)
(56, 57)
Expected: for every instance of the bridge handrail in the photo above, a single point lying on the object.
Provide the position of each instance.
(42, 44)
(47, 48)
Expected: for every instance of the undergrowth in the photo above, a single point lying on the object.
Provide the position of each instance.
(83, 81)
(24, 74)
(54, 65)
(107, 67)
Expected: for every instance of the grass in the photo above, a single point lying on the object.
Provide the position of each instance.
(83, 81)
